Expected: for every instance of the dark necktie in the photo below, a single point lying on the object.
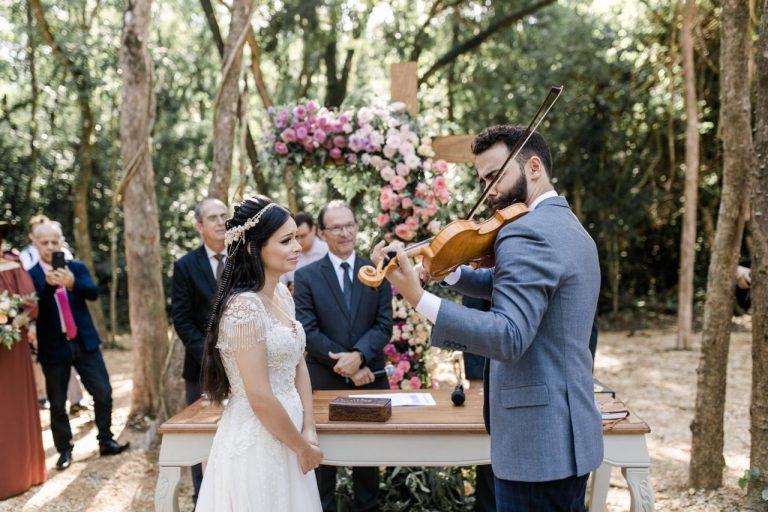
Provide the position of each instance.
(219, 266)
(346, 289)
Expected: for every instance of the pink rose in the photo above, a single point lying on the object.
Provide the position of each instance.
(280, 148)
(288, 135)
(412, 222)
(339, 141)
(404, 232)
(383, 220)
(301, 133)
(387, 174)
(387, 198)
(300, 111)
(319, 136)
(422, 189)
(415, 383)
(308, 147)
(402, 169)
(434, 227)
(403, 366)
(412, 161)
(440, 188)
(312, 106)
(406, 148)
(440, 166)
(398, 376)
(398, 183)
(335, 153)
(389, 151)
(407, 203)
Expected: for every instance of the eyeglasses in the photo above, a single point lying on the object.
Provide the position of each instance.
(337, 230)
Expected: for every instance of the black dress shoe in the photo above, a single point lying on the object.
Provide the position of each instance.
(112, 447)
(65, 460)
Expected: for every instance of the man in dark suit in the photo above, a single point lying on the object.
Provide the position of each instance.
(66, 337)
(194, 286)
(347, 326)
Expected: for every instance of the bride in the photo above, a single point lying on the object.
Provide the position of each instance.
(265, 450)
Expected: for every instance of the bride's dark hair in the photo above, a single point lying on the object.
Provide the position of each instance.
(243, 271)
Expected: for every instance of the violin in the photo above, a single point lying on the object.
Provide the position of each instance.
(464, 241)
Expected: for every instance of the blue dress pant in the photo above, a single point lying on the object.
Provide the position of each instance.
(93, 374)
(566, 495)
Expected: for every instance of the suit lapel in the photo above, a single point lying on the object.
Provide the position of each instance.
(329, 273)
(204, 268)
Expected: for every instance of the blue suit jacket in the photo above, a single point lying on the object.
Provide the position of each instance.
(330, 327)
(544, 424)
(52, 342)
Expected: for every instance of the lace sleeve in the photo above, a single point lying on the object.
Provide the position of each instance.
(242, 324)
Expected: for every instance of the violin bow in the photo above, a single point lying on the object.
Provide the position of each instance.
(538, 117)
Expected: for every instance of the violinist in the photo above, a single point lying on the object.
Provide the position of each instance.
(546, 434)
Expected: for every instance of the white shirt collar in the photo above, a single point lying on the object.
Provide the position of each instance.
(542, 197)
(336, 261)
(211, 253)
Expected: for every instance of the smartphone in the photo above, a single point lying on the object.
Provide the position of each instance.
(58, 260)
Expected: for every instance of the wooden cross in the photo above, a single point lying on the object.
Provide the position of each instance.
(404, 86)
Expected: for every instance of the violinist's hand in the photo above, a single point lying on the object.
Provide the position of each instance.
(378, 253)
(404, 278)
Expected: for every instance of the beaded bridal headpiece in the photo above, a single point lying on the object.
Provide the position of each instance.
(234, 235)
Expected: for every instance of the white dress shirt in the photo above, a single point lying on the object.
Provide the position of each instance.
(336, 262)
(429, 304)
(212, 259)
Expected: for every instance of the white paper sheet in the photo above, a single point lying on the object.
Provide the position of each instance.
(404, 399)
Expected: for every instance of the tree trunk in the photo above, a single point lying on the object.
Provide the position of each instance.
(32, 53)
(691, 194)
(149, 325)
(225, 116)
(707, 462)
(262, 186)
(759, 409)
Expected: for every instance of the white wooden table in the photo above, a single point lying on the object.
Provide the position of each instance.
(443, 435)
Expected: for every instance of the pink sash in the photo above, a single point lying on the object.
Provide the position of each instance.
(68, 321)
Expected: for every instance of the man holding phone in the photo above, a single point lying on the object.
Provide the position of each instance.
(66, 337)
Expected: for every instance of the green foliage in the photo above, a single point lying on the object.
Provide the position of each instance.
(414, 489)
(616, 134)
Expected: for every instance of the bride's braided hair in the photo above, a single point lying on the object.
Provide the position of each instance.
(243, 271)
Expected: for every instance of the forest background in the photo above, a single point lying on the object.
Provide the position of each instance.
(116, 118)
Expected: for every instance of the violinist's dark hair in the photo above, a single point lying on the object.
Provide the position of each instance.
(243, 271)
(510, 135)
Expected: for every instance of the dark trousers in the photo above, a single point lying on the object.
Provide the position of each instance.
(93, 374)
(485, 497)
(365, 483)
(193, 391)
(566, 495)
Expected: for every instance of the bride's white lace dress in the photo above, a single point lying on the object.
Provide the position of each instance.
(248, 468)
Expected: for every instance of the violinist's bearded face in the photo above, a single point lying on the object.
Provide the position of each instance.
(518, 193)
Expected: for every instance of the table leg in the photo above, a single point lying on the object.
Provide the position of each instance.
(640, 489)
(167, 489)
(598, 491)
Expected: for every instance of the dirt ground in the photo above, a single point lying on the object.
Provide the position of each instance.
(658, 384)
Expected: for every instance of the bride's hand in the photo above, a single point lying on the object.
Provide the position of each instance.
(310, 436)
(310, 458)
